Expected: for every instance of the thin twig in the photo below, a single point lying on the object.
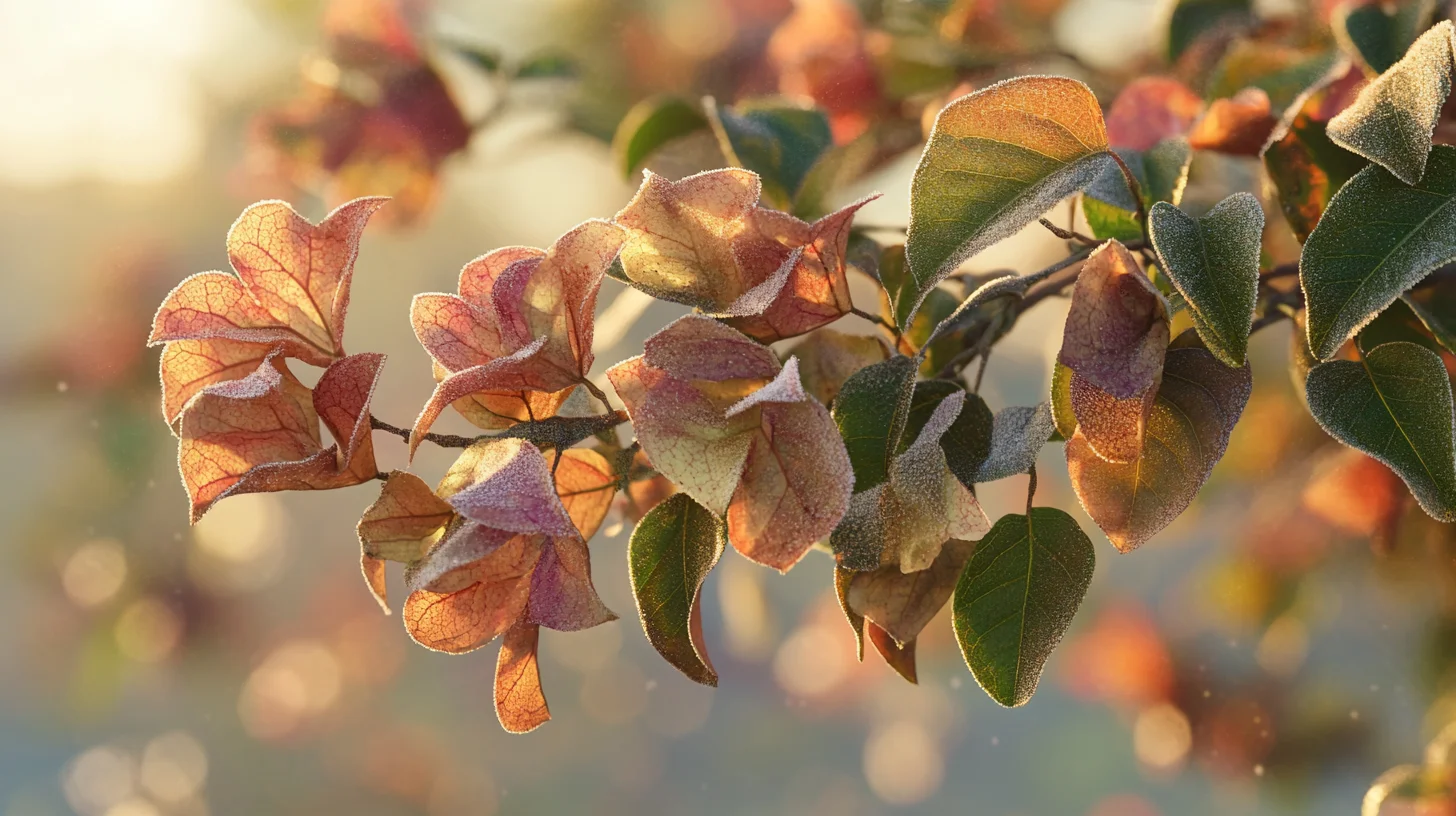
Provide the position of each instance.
(1030, 491)
(443, 440)
(1068, 234)
(597, 392)
(981, 372)
(877, 320)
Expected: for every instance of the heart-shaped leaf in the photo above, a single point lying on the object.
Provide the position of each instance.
(997, 159)
(1196, 407)
(1378, 238)
(1392, 120)
(1395, 405)
(670, 554)
(1016, 598)
(1214, 263)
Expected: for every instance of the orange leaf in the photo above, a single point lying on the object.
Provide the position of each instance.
(483, 599)
(1150, 109)
(1114, 342)
(373, 570)
(827, 358)
(902, 603)
(901, 658)
(1239, 125)
(291, 288)
(586, 484)
(261, 434)
(188, 366)
(402, 523)
(520, 704)
(718, 415)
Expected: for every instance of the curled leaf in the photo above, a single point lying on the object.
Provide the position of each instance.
(907, 519)
(903, 604)
(670, 554)
(1198, 403)
(900, 657)
(1114, 341)
(718, 415)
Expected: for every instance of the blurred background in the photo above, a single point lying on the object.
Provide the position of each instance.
(1288, 639)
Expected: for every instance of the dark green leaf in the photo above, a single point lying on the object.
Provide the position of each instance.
(670, 553)
(1214, 263)
(1194, 17)
(937, 307)
(1391, 122)
(1378, 36)
(1395, 405)
(987, 172)
(968, 441)
(1198, 402)
(649, 125)
(777, 140)
(1161, 172)
(1397, 324)
(1378, 238)
(1016, 598)
(871, 411)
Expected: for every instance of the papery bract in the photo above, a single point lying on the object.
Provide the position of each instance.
(718, 415)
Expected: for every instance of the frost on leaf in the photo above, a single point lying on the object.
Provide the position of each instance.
(520, 703)
(670, 554)
(1378, 35)
(1239, 125)
(905, 520)
(1198, 403)
(1150, 109)
(1017, 436)
(1394, 405)
(1214, 263)
(1434, 302)
(902, 604)
(996, 160)
(290, 293)
(1392, 120)
(719, 416)
(513, 557)
(517, 339)
(261, 433)
(827, 358)
(704, 241)
(1378, 238)
(399, 526)
(1115, 337)
(1016, 598)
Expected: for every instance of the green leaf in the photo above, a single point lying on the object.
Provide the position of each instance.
(1213, 261)
(1395, 405)
(1016, 598)
(1194, 17)
(967, 442)
(779, 141)
(1282, 74)
(1434, 302)
(670, 553)
(547, 65)
(1397, 324)
(1378, 36)
(937, 307)
(1197, 404)
(1307, 168)
(1162, 174)
(871, 411)
(997, 159)
(1391, 121)
(1378, 238)
(649, 125)
(486, 59)
(837, 166)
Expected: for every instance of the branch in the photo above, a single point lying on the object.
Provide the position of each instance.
(443, 440)
(554, 432)
(1068, 234)
(878, 321)
(1136, 190)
